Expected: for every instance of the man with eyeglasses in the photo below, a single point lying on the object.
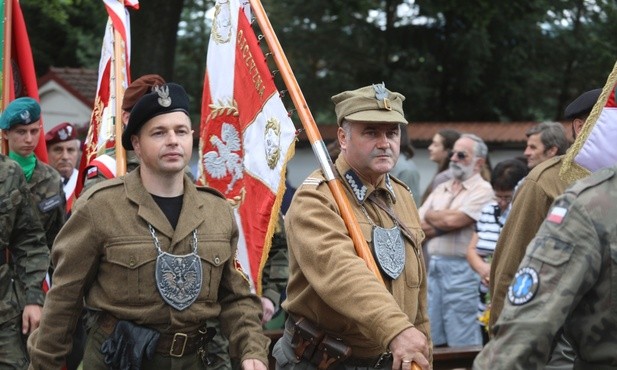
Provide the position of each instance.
(448, 218)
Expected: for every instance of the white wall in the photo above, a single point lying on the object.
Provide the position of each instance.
(58, 105)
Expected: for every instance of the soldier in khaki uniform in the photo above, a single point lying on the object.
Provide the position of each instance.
(154, 256)
(566, 280)
(337, 306)
(22, 241)
(21, 120)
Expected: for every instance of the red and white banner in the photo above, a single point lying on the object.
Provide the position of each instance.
(599, 150)
(21, 80)
(101, 133)
(246, 135)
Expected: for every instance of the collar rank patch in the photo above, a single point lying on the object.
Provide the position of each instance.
(557, 215)
(524, 286)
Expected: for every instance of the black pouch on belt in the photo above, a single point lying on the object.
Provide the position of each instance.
(305, 339)
(330, 352)
(125, 348)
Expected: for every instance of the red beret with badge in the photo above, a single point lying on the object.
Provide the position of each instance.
(61, 133)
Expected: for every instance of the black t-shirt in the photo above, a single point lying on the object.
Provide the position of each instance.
(171, 207)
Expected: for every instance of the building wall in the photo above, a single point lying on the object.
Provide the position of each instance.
(58, 105)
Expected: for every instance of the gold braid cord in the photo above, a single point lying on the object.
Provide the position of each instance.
(570, 170)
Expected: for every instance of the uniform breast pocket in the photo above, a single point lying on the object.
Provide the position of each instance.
(214, 253)
(128, 276)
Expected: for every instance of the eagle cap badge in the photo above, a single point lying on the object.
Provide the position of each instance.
(381, 94)
(164, 98)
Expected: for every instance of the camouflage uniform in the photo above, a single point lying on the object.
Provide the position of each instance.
(566, 279)
(276, 269)
(48, 198)
(21, 233)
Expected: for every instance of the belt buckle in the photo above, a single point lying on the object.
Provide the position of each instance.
(382, 358)
(178, 337)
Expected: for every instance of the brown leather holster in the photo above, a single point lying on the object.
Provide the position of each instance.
(312, 344)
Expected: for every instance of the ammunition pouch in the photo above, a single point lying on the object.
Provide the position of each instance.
(312, 344)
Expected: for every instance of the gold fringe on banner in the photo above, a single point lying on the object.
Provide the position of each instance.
(570, 170)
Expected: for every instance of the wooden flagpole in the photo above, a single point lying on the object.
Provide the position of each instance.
(319, 148)
(118, 63)
(6, 66)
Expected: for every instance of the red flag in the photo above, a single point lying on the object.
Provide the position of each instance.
(101, 135)
(246, 135)
(21, 80)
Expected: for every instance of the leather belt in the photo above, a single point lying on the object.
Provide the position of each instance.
(380, 361)
(174, 344)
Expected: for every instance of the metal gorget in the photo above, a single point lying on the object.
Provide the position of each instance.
(389, 248)
(178, 278)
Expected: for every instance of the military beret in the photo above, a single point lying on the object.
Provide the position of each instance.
(138, 88)
(372, 103)
(22, 111)
(162, 99)
(61, 133)
(582, 105)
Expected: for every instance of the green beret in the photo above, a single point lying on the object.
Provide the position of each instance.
(372, 103)
(162, 99)
(22, 111)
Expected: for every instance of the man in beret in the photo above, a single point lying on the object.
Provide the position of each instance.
(340, 314)
(104, 166)
(153, 257)
(20, 123)
(530, 206)
(62, 153)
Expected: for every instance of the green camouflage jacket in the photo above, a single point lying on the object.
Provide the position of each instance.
(48, 198)
(21, 233)
(568, 279)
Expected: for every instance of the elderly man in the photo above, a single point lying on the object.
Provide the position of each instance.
(448, 219)
(62, 153)
(20, 122)
(544, 141)
(341, 315)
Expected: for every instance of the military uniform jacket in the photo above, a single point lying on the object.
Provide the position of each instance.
(22, 234)
(106, 254)
(531, 204)
(568, 278)
(331, 286)
(48, 198)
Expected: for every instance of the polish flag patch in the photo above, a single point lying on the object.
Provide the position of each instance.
(557, 215)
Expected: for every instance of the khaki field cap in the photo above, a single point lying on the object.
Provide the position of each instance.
(372, 103)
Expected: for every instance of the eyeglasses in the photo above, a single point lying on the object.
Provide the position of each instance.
(503, 198)
(459, 155)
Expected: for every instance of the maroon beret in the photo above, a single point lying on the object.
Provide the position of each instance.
(60, 133)
(139, 88)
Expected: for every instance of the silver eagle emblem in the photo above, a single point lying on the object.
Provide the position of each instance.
(226, 158)
(164, 98)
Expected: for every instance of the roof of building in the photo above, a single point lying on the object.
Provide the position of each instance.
(80, 82)
(495, 134)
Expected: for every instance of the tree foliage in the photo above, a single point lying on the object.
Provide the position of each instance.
(477, 60)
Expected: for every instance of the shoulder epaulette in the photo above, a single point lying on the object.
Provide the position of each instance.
(592, 181)
(111, 183)
(313, 181)
(400, 182)
(210, 190)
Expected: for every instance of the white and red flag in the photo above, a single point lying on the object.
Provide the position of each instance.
(594, 147)
(246, 135)
(101, 137)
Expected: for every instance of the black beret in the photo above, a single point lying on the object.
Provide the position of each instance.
(162, 99)
(582, 105)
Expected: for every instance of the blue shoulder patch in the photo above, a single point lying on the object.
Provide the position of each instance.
(524, 286)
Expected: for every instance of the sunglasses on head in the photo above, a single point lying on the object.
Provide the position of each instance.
(460, 155)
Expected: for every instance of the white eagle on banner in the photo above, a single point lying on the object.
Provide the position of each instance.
(227, 159)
